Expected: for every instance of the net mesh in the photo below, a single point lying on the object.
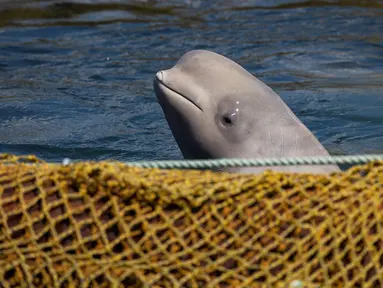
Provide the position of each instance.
(102, 224)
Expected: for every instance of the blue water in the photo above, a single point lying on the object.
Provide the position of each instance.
(76, 79)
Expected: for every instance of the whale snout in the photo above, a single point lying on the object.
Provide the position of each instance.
(172, 84)
(160, 87)
(159, 76)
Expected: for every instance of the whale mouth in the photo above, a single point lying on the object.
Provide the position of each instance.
(166, 89)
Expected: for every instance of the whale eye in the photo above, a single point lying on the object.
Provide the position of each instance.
(234, 119)
(229, 119)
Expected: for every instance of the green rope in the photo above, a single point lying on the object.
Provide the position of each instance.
(236, 162)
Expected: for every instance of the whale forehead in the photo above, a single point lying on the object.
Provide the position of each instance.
(213, 75)
(202, 63)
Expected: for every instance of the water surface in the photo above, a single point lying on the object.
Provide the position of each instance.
(76, 77)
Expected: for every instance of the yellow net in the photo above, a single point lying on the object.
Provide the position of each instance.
(100, 224)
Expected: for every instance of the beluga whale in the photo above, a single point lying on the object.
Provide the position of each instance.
(217, 109)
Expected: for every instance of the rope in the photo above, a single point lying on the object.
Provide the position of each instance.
(237, 162)
(225, 162)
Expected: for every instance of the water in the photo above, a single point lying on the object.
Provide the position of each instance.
(76, 78)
